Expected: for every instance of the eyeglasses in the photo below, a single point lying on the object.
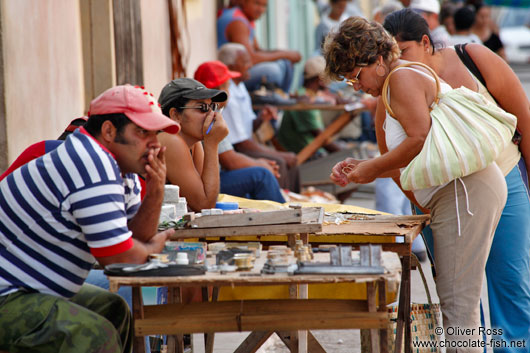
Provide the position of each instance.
(352, 81)
(204, 108)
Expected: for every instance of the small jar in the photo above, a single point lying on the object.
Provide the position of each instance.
(243, 261)
(182, 258)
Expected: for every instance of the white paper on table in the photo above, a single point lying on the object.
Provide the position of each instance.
(353, 106)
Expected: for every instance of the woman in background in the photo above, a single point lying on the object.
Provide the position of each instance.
(485, 28)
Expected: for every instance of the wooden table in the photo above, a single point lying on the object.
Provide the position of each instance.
(394, 233)
(350, 111)
(380, 229)
(265, 317)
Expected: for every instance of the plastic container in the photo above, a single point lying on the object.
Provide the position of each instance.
(196, 250)
(227, 206)
(182, 258)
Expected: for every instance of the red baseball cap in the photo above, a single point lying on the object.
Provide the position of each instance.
(214, 73)
(137, 104)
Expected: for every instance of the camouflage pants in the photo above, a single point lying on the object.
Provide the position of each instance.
(94, 320)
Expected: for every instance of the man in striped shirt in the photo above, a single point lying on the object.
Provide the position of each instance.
(76, 205)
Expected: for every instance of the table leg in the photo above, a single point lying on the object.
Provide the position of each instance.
(313, 346)
(175, 343)
(298, 340)
(372, 307)
(302, 341)
(209, 336)
(408, 332)
(291, 240)
(403, 316)
(138, 313)
(252, 343)
(383, 333)
(291, 341)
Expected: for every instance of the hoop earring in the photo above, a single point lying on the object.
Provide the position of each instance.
(378, 72)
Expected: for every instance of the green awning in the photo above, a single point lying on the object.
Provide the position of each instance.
(510, 3)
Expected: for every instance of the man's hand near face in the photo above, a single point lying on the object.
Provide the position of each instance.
(144, 224)
(155, 171)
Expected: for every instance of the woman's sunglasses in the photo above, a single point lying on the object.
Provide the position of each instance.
(204, 108)
(352, 81)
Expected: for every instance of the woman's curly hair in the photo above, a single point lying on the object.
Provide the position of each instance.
(357, 42)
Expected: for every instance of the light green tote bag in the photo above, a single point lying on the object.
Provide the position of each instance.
(467, 133)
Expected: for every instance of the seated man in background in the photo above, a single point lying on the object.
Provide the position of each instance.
(299, 127)
(242, 120)
(242, 176)
(236, 24)
(192, 155)
(71, 207)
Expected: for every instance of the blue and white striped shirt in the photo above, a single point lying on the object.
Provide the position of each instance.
(59, 211)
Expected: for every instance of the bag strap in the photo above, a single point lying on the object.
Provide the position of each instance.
(470, 64)
(434, 317)
(384, 93)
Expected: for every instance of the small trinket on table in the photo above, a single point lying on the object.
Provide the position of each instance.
(303, 251)
(280, 259)
(243, 261)
(163, 258)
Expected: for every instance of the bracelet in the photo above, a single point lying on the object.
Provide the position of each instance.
(348, 168)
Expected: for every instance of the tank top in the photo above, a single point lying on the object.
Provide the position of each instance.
(395, 135)
(228, 16)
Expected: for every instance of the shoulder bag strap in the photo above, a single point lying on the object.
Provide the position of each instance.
(384, 92)
(466, 59)
(434, 316)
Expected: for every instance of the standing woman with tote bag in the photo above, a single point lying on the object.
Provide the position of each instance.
(508, 265)
(465, 211)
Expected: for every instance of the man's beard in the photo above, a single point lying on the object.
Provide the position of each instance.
(121, 139)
